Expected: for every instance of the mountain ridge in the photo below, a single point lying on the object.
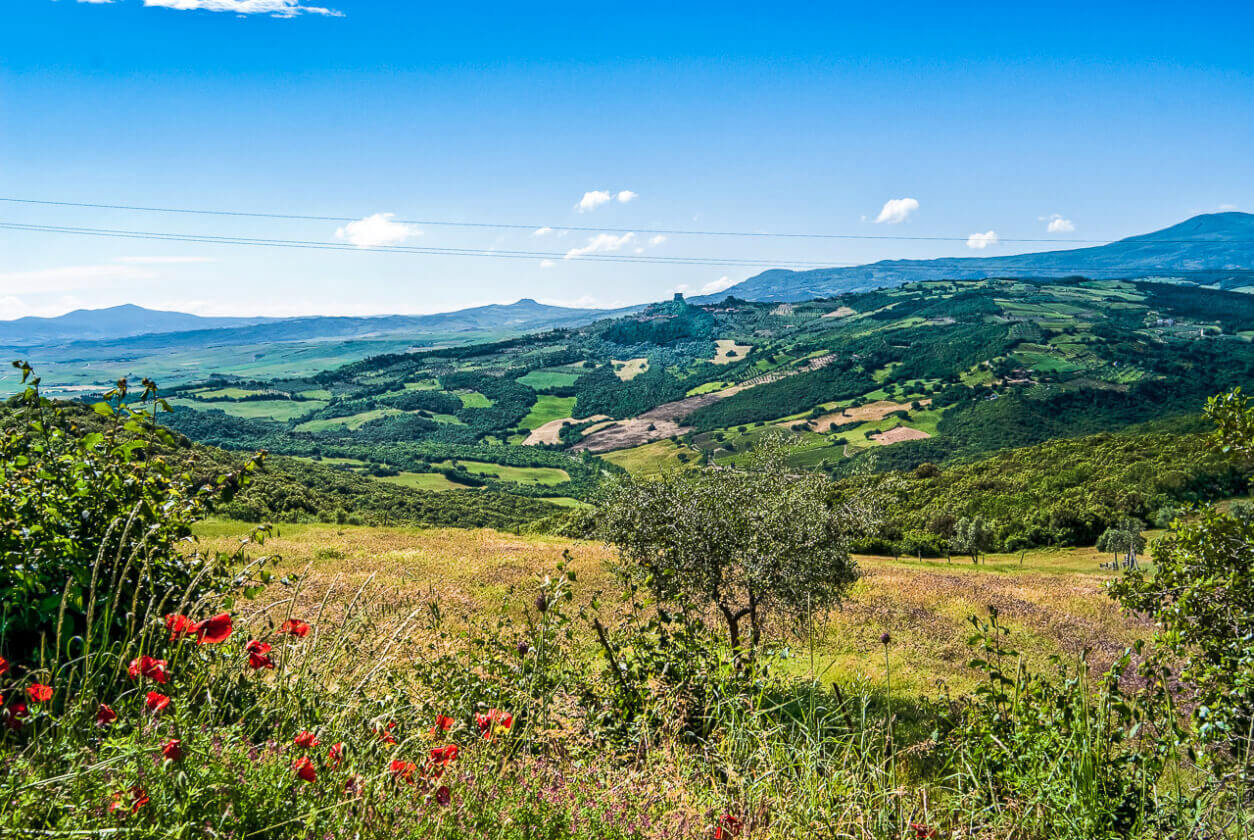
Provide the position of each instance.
(1215, 247)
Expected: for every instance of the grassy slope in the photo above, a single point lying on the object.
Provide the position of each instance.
(1054, 602)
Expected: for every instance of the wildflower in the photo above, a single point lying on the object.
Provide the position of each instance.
(153, 669)
(295, 627)
(494, 722)
(306, 740)
(403, 770)
(305, 769)
(922, 831)
(727, 827)
(4, 666)
(443, 723)
(138, 800)
(442, 757)
(542, 602)
(214, 630)
(172, 750)
(39, 692)
(885, 638)
(523, 648)
(156, 702)
(14, 714)
(386, 735)
(257, 657)
(443, 796)
(179, 626)
(105, 715)
(335, 755)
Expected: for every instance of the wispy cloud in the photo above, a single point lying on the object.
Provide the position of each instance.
(980, 241)
(274, 8)
(376, 231)
(595, 198)
(657, 240)
(896, 210)
(718, 285)
(1057, 224)
(544, 231)
(69, 278)
(602, 242)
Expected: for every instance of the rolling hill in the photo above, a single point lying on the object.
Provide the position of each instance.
(1214, 249)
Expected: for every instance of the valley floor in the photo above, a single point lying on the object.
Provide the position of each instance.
(1053, 601)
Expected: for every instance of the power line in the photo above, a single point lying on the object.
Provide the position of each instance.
(896, 265)
(534, 227)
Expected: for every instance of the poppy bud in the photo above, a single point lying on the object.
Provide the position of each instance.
(885, 638)
(542, 603)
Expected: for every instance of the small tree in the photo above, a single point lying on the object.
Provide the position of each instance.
(972, 536)
(750, 544)
(1123, 538)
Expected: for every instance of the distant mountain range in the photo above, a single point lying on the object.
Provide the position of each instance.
(130, 322)
(1211, 249)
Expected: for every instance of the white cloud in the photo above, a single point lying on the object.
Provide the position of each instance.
(657, 240)
(1057, 224)
(1226, 208)
(547, 263)
(602, 242)
(896, 210)
(544, 231)
(592, 200)
(625, 196)
(980, 241)
(67, 278)
(160, 260)
(715, 286)
(682, 288)
(274, 8)
(375, 231)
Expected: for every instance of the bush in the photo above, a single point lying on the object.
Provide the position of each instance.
(87, 515)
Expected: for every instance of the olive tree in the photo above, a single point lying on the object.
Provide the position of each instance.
(972, 536)
(749, 543)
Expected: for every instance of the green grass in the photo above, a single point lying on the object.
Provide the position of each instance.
(549, 378)
(281, 410)
(547, 409)
(353, 421)
(547, 476)
(421, 481)
(473, 399)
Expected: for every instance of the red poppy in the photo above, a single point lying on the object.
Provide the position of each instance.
(443, 796)
(211, 631)
(138, 800)
(728, 826)
(305, 769)
(306, 740)
(441, 757)
(4, 666)
(14, 713)
(403, 770)
(179, 626)
(156, 702)
(335, 755)
(295, 627)
(257, 658)
(153, 669)
(443, 723)
(386, 735)
(493, 722)
(105, 715)
(39, 692)
(922, 831)
(173, 750)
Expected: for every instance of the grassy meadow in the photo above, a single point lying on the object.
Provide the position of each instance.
(1053, 601)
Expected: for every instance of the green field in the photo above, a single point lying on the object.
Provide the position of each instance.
(547, 409)
(351, 422)
(549, 378)
(473, 399)
(282, 410)
(546, 476)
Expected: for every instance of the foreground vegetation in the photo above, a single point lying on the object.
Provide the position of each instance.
(156, 686)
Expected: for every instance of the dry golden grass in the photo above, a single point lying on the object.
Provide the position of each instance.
(1054, 602)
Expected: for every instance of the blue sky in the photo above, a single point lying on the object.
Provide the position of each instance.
(1100, 119)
